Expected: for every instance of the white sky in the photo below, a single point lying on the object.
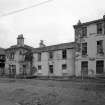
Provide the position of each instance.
(52, 22)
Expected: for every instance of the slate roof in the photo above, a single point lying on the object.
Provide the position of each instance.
(55, 47)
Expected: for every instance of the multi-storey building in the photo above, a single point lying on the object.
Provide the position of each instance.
(2, 61)
(55, 60)
(16, 59)
(84, 57)
(90, 48)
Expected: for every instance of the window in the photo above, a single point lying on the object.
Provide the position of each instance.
(24, 70)
(20, 52)
(99, 28)
(51, 68)
(84, 67)
(12, 69)
(64, 54)
(99, 66)
(84, 31)
(84, 49)
(64, 67)
(11, 56)
(50, 55)
(39, 56)
(39, 67)
(100, 47)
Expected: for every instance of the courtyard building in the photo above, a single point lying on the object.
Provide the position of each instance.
(90, 48)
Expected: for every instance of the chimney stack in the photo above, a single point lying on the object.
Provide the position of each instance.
(20, 40)
(41, 44)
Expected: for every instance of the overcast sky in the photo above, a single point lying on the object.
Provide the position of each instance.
(52, 22)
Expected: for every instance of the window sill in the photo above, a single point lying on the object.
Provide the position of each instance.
(100, 54)
(84, 56)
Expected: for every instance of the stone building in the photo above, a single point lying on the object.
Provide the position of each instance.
(2, 61)
(55, 60)
(16, 63)
(90, 48)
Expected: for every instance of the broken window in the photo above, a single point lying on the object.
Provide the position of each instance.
(84, 31)
(50, 55)
(99, 66)
(84, 49)
(39, 67)
(100, 47)
(51, 68)
(64, 66)
(99, 28)
(64, 54)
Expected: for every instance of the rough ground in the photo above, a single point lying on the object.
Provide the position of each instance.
(47, 92)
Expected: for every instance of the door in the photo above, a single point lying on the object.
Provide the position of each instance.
(24, 70)
(84, 68)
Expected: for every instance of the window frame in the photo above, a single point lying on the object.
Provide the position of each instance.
(100, 47)
(39, 56)
(99, 28)
(84, 49)
(64, 54)
(64, 66)
(51, 55)
(84, 31)
(51, 69)
(39, 67)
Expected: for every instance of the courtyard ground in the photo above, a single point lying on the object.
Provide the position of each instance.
(49, 92)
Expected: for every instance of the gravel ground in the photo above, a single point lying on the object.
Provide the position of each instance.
(47, 92)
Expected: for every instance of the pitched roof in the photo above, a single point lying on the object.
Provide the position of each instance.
(55, 47)
(16, 47)
(88, 23)
(2, 51)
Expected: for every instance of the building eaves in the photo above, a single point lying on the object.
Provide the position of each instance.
(88, 23)
(17, 47)
(55, 47)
